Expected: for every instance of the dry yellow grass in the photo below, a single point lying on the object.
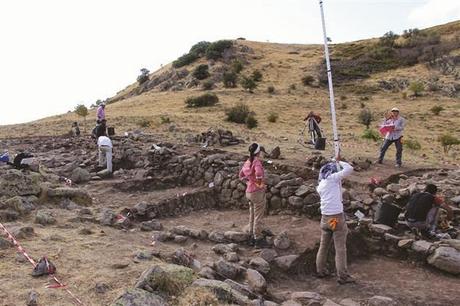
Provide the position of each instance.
(282, 65)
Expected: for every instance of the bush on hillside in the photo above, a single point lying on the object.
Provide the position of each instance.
(256, 76)
(448, 141)
(216, 49)
(184, 60)
(237, 66)
(272, 117)
(365, 117)
(416, 88)
(308, 80)
(207, 85)
(144, 76)
(371, 134)
(248, 84)
(229, 79)
(238, 113)
(412, 144)
(436, 109)
(143, 123)
(207, 99)
(199, 49)
(164, 119)
(201, 72)
(388, 39)
(271, 89)
(251, 121)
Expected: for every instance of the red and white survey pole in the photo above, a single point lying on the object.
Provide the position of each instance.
(331, 87)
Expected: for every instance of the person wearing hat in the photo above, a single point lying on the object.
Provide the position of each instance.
(100, 113)
(333, 223)
(393, 126)
(253, 173)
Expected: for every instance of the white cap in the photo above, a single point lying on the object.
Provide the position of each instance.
(395, 109)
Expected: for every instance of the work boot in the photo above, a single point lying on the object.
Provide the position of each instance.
(348, 279)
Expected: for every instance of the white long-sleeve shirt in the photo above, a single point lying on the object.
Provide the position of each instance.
(330, 191)
(104, 141)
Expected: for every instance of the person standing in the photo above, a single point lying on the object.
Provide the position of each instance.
(333, 224)
(253, 172)
(105, 152)
(393, 128)
(100, 114)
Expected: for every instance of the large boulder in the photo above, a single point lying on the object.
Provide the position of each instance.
(287, 262)
(256, 281)
(378, 300)
(227, 269)
(19, 183)
(446, 259)
(79, 196)
(223, 291)
(260, 264)
(139, 297)
(80, 175)
(306, 297)
(23, 205)
(167, 279)
(282, 241)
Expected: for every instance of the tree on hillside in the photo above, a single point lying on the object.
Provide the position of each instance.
(365, 117)
(82, 111)
(144, 76)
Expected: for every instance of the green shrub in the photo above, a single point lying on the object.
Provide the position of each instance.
(412, 144)
(248, 84)
(448, 141)
(308, 80)
(237, 66)
(416, 88)
(271, 89)
(201, 72)
(436, 109)
(184, 60)
(238, 113)
(216, 49)
(165, 119)
(207, 99)
(144, 76)
(256, 76)
(143, 123)
(388, 39)
(272, 117)
(208, 85)
(251, 121)
(365, 117)
(229, 79)
(371, 134)
(200, 48)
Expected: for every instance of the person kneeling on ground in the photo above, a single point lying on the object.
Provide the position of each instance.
(333, 223)
(105, 152)
(253, 172)
(422, 211)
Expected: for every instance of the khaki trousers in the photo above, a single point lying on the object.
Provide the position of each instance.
(256, 211)
(333, 228)
(105, 157)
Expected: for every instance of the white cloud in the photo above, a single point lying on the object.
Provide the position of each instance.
(434, 12)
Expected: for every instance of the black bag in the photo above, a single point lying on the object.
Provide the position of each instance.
(18, 158)
(110, 131)
(320, 144)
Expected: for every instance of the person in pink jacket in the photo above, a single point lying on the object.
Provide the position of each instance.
(253, 173)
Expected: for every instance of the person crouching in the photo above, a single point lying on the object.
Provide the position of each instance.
(333, 223)
(105, 152)
(253, 172)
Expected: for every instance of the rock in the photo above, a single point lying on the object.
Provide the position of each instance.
(262, 302)
(287, 191)
(303, 191)
(349, 302)
(162, 236)
(282, 241)
(44, 218)
(143, 255)
(181, 230)
(167, 279)
(223, 291)
(219, 179)
(8, 215)
(101, 288)
(256, 281)
(268, 255)
(394, 188)
(388, 199)
(380, 229)
(330, 303)
(23, 232)
(455, 200)
(180, 239)
(232, 257)
(5, 244)
(291, 303)
(138, 297)
(295, 201)
(221, 249)
(272, 179)
(227, 269)
(455, 243)
(422, 246)
(207, 272)
(275, 153)
(79, 196)
(120, 265)
(182, 257)
(108, 217)
(380, 191)
(241, 288)
(377, 300)
(18, 183)
(80, 175)
(306, 297)
(152, 225)
(236, 236)
(199, 234)
(288, 176)
(446, 259)
(275, 203)
(20, 204)
(105, 173)
(405, 243)
(260, 264)
(32, 298)
(311, 198)
(286, 263)
(216, 236)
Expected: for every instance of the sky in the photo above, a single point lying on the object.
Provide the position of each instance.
(55, 54)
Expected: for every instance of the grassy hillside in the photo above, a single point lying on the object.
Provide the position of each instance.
(372, 74)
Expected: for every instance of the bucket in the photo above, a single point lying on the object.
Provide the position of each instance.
(111, 131)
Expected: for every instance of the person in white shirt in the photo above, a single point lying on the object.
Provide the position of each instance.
(105, 152)
(333, 223)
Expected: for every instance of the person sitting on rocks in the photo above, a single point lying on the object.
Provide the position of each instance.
(422, 211)
(75, 130)
(333, 223)
(105, 151)
(253, 172)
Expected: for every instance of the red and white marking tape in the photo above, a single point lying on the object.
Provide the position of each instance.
(58, 284)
